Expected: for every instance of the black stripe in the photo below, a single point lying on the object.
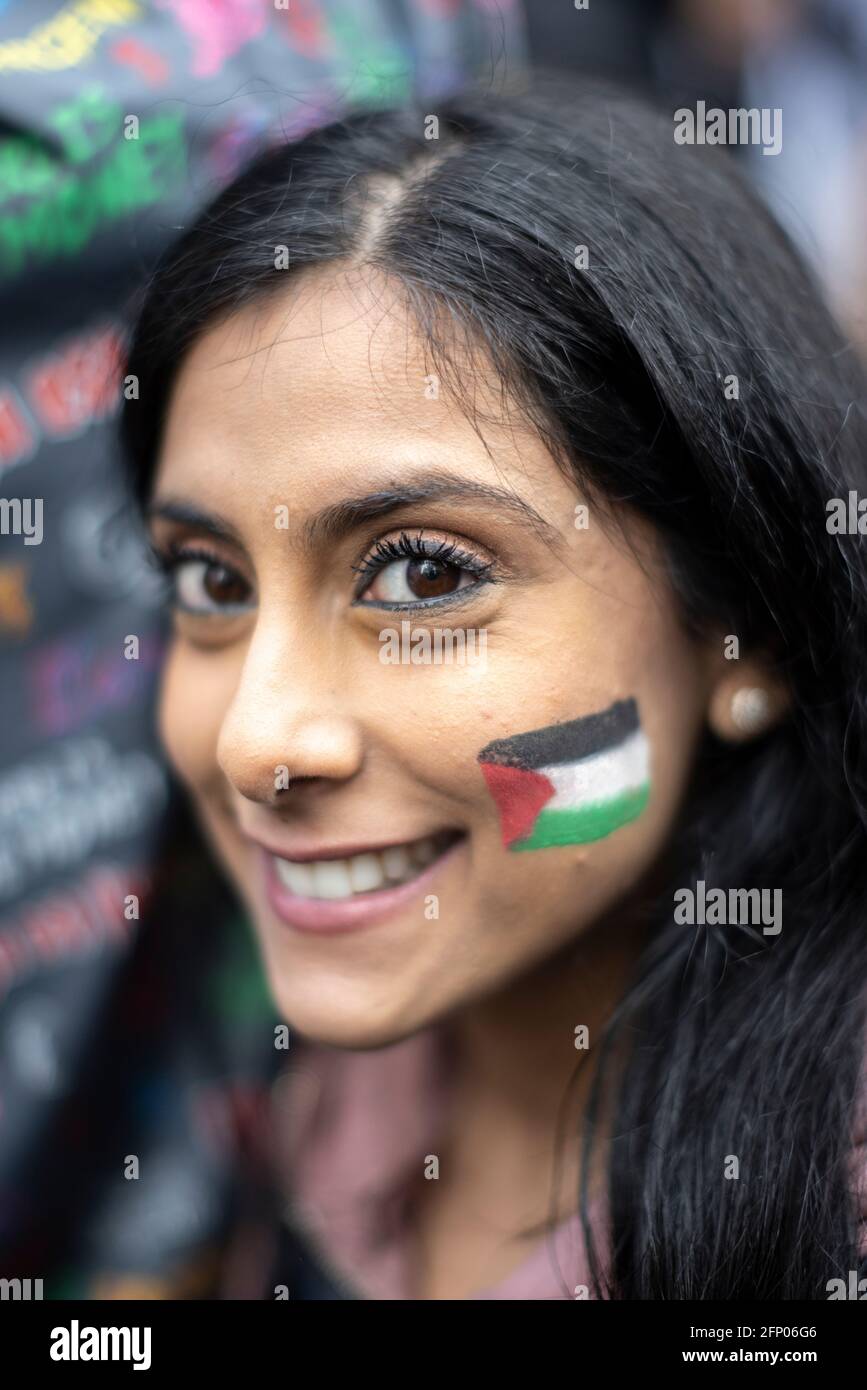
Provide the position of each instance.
(565, 743)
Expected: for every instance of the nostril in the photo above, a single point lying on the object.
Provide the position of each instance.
(289, 784)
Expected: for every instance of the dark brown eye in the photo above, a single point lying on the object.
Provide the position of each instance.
(415, 570)
(207, 586)
(431, 578)
(415, 580)
(223, 586)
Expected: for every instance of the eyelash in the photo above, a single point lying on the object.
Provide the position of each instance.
(408, 547)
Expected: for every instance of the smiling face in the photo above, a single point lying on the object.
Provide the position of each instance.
(315, 492)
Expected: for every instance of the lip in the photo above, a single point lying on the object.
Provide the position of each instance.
(334, 916)
(313, 854)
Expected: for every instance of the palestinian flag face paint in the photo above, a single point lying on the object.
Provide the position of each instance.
(570, 783)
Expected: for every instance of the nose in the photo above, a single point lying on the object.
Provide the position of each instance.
(286, 719)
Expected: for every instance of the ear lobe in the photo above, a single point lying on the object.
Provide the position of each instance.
(746, 703)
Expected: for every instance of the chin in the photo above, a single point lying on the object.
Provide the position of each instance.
(350, 1027)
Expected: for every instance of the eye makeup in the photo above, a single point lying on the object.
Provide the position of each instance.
(418, 571)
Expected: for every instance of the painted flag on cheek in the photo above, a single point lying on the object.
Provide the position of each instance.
(569, 784)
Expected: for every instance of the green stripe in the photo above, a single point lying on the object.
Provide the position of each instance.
(581, 824)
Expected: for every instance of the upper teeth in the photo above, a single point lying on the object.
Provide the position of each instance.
(361, 873)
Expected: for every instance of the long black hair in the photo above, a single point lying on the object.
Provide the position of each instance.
(664, 337)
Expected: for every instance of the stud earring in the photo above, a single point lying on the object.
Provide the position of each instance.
(750, 709)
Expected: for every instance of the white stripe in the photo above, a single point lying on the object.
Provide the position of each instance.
(602, 776)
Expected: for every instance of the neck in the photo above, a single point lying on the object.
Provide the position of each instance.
(520, 1043)
(520, 1080)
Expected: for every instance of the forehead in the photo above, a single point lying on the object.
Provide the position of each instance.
(327, 377)
(328, 389)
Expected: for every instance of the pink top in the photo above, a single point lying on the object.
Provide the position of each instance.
(356, 1126)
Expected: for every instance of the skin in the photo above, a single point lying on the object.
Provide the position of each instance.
(314, 396)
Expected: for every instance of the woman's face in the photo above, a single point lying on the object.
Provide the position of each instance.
(330, 505)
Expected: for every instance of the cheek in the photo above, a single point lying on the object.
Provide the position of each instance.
(192, 706)
(612, 815)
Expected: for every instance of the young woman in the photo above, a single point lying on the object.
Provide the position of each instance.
(518, 680)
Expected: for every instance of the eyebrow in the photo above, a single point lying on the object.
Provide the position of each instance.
(172, 509)
(337, 520)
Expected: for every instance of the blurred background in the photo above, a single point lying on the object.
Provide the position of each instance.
(135, 1024)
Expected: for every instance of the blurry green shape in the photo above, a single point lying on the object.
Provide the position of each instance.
(238, 989)
(374, 70)
(26, 167)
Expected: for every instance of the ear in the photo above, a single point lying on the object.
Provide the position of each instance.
(746, 700)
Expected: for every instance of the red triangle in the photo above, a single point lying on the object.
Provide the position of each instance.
(520, 796)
